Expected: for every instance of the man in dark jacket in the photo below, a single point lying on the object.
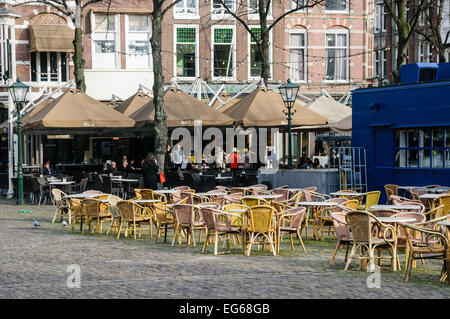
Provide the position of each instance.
(150, 172)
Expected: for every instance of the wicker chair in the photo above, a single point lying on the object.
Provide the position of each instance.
(445, 200)
(260, 223)
(234, 198)
(371, 199)
(352, 204)
(144, 193)
(292, 201)
(163, 220)
(93, 192)
(115, 215)
(361, 226)
(250, 202)
(424, 243)
(182, 188)
(290, 222)
(281, 191)
(342, 232)
(310, 189)
(44, 189)
(399, 199)
(259, 186)
(96, 211)
(391, 189)
(215, 228)
(418, 218)
(184, 220)
(134, 214)
(76, 208)
(62, 205)
(435, 212)
(325, 217)
(384, 212)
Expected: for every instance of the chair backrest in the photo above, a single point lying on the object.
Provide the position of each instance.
(189, 196)
(445, 200)
(352, 203)
(340, 225)
(384, 212)
(160, 212)
(182, 188)
(419, 217)
(436, 212)
(91, 207)
(145, 193)
(281, 191)
(259, 186)
(360, 225)
(209, 218)
(251, 201)
(76, 206)
(93, 192)
(313, 196)
(58, 197)
(235, 221)
(261, 219)
(298, 214)
(129, 211)
(337, 200)
(83, 184)
(310, 189)
(391, 189)
(113, 200)
(398, 199)
(372, 198)
(420, 207)
(162, 197)
(184, 214)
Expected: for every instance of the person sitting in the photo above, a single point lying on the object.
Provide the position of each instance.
(47, 169)
(316, 163)
(306, 164)
(113, 169)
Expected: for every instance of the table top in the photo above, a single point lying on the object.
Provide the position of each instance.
(440, 189)
(395, 219)
(295, 189)
(167, 191)
(81, 196)
(262, 196)
(127, 180)
(237, 210)
(211, 194)
(430, 196)
(408, 187)
(347, 194)
(207, 205)
(144, 201)
(61, 183)
(398, 207)
(318, 204)
(224, 177)
(444, 223)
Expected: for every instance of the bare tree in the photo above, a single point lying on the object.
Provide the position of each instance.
(160, 8)
(65, 8)
(406, 26)
(263, 9)
(433, 16)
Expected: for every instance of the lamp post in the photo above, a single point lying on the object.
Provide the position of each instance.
(18, 93)
(289, 92)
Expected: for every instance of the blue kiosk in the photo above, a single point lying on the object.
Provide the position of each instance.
(405, 128)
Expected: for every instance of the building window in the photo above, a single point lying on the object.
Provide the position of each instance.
(337, 5)
(255, 55)
(380, 18)
(423, 148)
(223, 55)
(105, 41)
(297, 51)
(186, 9)
(49, 67)
(138, 45)
(219, 11)
(253, 10)
(337, 56)
(186, 52)
(425, 52)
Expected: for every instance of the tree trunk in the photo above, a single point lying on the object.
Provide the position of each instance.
(265, 65)
(161, 129)
(77, 56)
(401, 59)
(403, 39)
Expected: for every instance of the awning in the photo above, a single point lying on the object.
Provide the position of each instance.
(51, 38)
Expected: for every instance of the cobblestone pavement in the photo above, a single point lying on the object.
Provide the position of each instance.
(34, 263)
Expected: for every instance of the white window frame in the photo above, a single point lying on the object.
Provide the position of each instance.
(305, 54)
(255, 16)
(197, 46)
(223, 14)
(127, 37)
(116, 39)
(249, 37)
(347, 10)
(233, 53)
(59, 69)
(196, 15)
(336, 32)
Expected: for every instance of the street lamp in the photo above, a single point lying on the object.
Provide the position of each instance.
(289, 92)
(18, 93)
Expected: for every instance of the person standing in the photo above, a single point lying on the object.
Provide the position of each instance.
(167, 159)
(47, 169)
(234, 159)
(177, 155)
(150, 172)
(218, 157)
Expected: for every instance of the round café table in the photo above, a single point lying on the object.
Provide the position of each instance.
(317, 208)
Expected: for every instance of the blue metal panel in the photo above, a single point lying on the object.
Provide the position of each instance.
(377, 112)
(410, 73)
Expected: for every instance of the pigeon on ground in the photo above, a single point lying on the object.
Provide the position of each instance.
(64, 223)
(36, 224)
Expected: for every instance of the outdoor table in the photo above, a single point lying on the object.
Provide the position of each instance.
(317, 208)
(81, 196)
(445, 272)
(394, 220)
(224, 177)
(347, 194)
(268, 197)
(397, 207)
(440, 189)
(167, 191)
(145, 201)
(430, 196)
(61, 183)
(211, 194)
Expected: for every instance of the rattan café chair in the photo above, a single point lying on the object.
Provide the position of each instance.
(260, 224)
(133, 217)
(290, 222)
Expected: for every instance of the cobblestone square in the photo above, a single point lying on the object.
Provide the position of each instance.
(34, 265)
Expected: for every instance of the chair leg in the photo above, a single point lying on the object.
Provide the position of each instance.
(175, 235)
(216, 242)
(335, 252)
(205, 245)
(56, 214)
(292, 242)
(158, 230)
(352, 253)
(120, 229)
(165, 233)
(409, 265)
(250, 244)
(301, 240)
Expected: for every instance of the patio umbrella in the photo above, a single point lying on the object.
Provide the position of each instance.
(77, 110)
(182, 110)
(133, 103)
(264, 107)
(343, 126)
(330, 108)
